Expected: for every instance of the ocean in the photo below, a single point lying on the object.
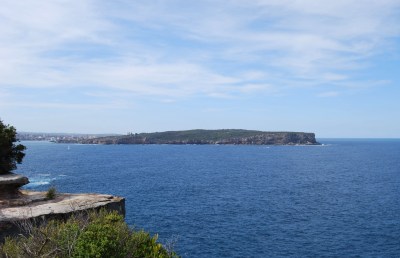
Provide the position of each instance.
(340, 199)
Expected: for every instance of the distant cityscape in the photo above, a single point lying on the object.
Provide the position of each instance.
(58, 137)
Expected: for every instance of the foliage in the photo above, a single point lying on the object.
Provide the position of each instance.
(96, 234)
(51, 193)
(105, 237)
(11, 154)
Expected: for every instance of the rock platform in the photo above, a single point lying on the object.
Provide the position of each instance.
(20, 205)
(35, 204)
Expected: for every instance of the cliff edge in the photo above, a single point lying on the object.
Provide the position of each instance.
(20, 205)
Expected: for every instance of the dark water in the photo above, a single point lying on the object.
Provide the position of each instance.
(341, 199)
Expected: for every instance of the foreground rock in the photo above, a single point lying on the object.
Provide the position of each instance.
(10, 184)
(36, 207)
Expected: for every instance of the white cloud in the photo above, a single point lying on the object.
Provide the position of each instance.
(176, 49)
(69, 106)
(328, 94)
(249, 88)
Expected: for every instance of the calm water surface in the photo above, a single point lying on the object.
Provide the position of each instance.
(340, 199)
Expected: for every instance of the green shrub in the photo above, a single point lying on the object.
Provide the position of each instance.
(97, 234)
(51, 193)
(105, 237)
(53, 239)
(143, 245)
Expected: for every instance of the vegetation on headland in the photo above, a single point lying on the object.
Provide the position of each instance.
(93, 234)
(11, 153)
(223, 136)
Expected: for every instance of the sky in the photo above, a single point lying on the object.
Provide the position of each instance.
(86, 66)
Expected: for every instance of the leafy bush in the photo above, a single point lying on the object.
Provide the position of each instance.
(97, 234)
(105, 236)
(51, 193)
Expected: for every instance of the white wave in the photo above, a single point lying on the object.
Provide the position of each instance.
(325, 145)
(35, 183)
(43, 179)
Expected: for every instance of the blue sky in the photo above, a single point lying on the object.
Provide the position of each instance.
(329, 67)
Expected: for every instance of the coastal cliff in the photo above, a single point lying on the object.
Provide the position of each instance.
(224, 136)
(18, 205)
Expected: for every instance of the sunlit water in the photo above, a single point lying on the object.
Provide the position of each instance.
(340, 199)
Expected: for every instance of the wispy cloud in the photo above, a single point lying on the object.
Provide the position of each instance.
(328, 94)
(175, 49)
(67, 106)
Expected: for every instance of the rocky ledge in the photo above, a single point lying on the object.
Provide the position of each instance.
(35, 206)
(20, 205)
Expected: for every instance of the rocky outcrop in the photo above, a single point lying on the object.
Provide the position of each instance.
(10, 184)
(36, 207)
(18, 205)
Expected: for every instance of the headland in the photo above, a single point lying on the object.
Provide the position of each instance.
(199, 136)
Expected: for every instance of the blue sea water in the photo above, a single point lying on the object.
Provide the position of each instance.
(341, 199)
